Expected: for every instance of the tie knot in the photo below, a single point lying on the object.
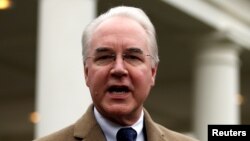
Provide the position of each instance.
(126, 134)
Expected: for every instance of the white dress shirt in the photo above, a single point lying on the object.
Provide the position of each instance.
(110, 128)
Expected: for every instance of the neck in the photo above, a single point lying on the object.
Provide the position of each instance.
(124, 120)
(110, 128)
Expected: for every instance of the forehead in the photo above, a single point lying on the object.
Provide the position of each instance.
(118, 23)
(119, 32)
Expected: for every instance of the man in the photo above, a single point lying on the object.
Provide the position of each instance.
(120, 64)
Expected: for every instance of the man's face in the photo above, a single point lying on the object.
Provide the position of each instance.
(118, 69)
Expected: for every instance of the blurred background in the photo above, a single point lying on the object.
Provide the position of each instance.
(203, 76)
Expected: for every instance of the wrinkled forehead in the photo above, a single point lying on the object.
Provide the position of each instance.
(115, 30)
(116, 22)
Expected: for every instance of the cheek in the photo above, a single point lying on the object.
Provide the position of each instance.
(95, 83)
(143, 76)
(142, 81)
(142, 87)
(96, 78)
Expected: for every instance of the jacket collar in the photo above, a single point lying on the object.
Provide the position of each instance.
(87, 128)
(153, 132)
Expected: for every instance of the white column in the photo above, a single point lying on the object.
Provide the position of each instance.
(216, 86)
(61, 94)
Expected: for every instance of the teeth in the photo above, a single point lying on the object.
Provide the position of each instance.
(118, 89)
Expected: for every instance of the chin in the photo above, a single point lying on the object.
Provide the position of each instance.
(119, 109)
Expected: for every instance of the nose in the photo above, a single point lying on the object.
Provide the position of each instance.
(118, 69)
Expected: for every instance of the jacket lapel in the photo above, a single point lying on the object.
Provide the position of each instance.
(87, 129)
(153, 132)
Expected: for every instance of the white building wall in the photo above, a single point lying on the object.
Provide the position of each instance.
(216, 86)
(61, 96)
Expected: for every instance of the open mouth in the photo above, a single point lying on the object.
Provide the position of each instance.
(118, 89)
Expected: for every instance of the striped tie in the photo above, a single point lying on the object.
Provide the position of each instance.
(126, 134)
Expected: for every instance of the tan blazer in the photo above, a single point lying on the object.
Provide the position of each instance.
(87, 129)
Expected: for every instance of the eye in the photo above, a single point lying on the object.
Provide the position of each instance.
(104, 59)
(132, 57)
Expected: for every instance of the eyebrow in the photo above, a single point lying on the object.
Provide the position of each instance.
(134, 50)
(103, 49)
(129, 50)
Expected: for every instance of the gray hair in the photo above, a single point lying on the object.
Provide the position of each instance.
(131, 12)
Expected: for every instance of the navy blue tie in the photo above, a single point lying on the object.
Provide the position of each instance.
(126, 134)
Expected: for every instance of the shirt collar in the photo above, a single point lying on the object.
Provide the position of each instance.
(110, 128)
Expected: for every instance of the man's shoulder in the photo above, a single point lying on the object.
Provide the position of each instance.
(158, 132)
(78, 130)
(173, 135)
(65, 134)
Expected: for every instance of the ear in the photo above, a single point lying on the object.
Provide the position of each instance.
(86, 73)
(154, 72)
